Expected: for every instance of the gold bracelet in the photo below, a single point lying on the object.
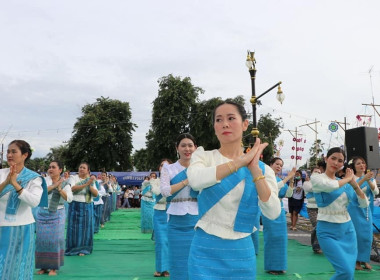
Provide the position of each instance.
(230, 167)
(258, 178)
(236, 169)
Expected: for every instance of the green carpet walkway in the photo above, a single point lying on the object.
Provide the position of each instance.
(122, 252)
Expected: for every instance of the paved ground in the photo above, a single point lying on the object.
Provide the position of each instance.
(304, 228)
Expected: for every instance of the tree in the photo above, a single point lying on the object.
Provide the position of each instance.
(140, 160)
(314, 151)
(201, 125)
(38, 164)
(171, 116)
(269, 131)
(102, 136)
(57, 153)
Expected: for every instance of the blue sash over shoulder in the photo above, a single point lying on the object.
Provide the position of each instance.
(98, 188)
(23, 179)
(248, 207)
(176, 179)
(324, 199)
(283, 190)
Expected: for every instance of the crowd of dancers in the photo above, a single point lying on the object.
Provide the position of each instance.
(205, 209)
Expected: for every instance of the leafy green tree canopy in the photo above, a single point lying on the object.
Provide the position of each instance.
(171, 116)
(102, 136)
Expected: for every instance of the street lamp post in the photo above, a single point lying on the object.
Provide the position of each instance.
(251, 64)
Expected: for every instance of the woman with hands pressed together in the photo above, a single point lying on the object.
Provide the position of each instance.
(335, 230)
(183, 209)
(362, 217)
(232, 186)
(80, 224)
(20, 190)
(50, 222)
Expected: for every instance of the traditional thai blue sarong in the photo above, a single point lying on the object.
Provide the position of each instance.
(98, 213)
(275, 243)
(109, 208)
(276, 238)
(80, 229)
(147, 216)
(180, 235)
(338, 242)
(214, 258)
(50, 238)
(160, 225)
(362, 220)
(17, 252)
(114, 200)
(255, 235)
(105, 203)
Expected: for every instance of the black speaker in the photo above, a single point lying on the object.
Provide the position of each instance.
(364, 141)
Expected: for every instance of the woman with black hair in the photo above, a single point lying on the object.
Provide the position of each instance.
(362, 217)
(160, 226)
(295, 202)
(80, 224)
(183, 208)
(232, 186)
(21, 190)
(50, 222)
(335, 230)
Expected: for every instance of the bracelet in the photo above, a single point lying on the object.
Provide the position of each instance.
(19, 190)
(236, 169)
(229, 166)
(258, 178)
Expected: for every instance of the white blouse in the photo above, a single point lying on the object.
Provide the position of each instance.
(101, 192)
(336, 212)
(375, 191)
(30, 197)
(308, 187)
(161, 204)
(81, 195)
(220, 219)
(148, 196)
(67, 189)
(180, 208)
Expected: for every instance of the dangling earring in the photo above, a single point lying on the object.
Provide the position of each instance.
(177, 154)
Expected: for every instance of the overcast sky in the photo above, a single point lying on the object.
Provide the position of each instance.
(57, 56)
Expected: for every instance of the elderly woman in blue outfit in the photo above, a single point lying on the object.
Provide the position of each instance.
(232, 186)
(20, 190)
(335, 230)
(362, 217)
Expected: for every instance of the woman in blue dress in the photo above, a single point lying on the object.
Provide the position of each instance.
(275, 231)
(183, 208)
(335, 230)
(232, 186)
(362, 217)
(21, 190)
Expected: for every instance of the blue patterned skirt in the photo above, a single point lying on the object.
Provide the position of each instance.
(338, 242)
(275, 243)
(160, 225)
(50, 238)
(213, 258)
(98, 213)
(80, 229)
(147, 216)
(17, 252)
(180, 235)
